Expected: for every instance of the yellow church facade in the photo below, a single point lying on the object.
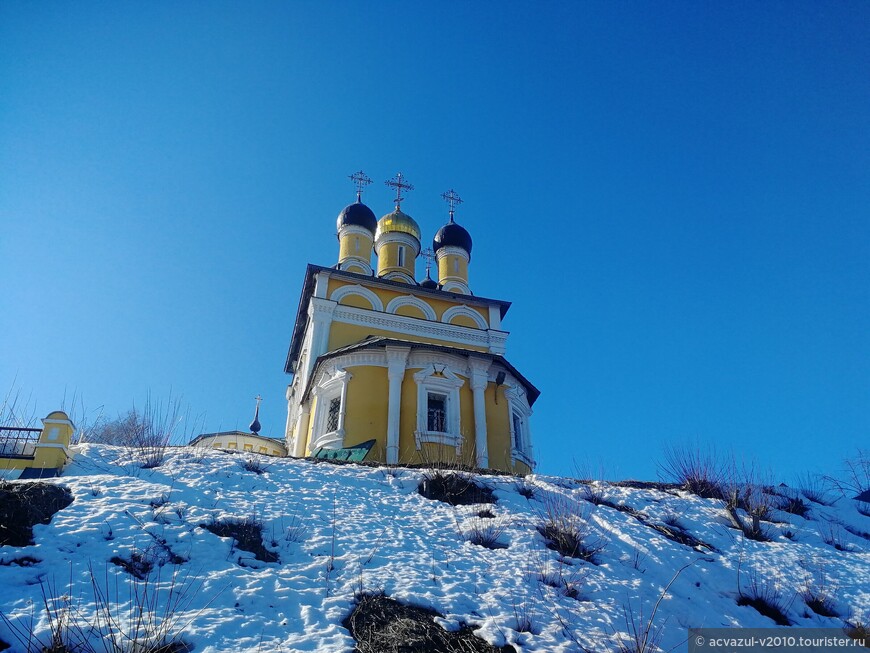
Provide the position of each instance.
(417, 366)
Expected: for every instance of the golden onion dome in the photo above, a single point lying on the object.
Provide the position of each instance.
(397, 222)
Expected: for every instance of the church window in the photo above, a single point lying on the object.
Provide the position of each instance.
(401, 256)
(518, 430)
(356, 243)
(437, 412)
(438, 415)
(521, 448)
(456, 265)
(329, 410)
(332, 416)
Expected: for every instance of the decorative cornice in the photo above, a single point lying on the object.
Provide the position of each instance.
(397, 237)
(355, 230)
(414, 326)
(321, 309)
(451, 250)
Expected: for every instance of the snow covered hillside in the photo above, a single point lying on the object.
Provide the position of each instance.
(331, 533)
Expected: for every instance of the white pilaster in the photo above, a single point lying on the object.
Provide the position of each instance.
(478, 378)
(301, 431)
(397, 357)
(320, 311)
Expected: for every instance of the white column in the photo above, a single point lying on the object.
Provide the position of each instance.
(479, 377)
(396, 359)
(301, 430)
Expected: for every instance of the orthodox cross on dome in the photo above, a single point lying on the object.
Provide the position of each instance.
(361, 180)
(429, 255)
(398, 182)
(453, 200)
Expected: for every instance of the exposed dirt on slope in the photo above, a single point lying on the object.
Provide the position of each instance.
(380, 624)
(23, 505)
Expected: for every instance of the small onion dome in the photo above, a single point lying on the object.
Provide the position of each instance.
(429, 283)
(398, 222)
(452, 235)
(357, 214)
(255, 425)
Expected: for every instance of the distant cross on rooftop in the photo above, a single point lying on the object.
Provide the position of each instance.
(453, 200)
(361, 180)
(398, 182)
(259, 399)
(429, 255)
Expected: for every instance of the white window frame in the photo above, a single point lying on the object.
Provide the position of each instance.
(438, 379)
(333, 387)
(518, 403)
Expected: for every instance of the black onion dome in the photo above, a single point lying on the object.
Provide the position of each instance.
(428, 282)
(452, 235)
(357, 214)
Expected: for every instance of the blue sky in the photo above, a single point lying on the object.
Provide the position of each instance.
(674, 195)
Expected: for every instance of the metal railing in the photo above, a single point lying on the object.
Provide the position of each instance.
(18, 442)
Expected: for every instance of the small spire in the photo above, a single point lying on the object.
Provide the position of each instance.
(398, 182)
(255, 425)
(361, 180)
(453, 200)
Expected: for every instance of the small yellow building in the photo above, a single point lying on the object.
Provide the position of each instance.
(36, 453)
(418, 366)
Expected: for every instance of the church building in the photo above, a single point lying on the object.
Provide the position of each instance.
(417, 366)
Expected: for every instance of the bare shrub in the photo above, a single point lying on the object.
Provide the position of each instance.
(566, 579)
(832, 535)
(485, 531)
(791, 502)
(855, 481)
(379, 624)
(820, 603)
(248, 536)
(138, 564)
(765, 596)
(672, 519)
(64, 636)
(454, 487)
(132, 616)
(295, 530)
(148, 431)
(857, 630)
(151, 617)
(16, 411)
(746, 491)
(257, 464)
(815, 488)
(699, 472)
(525, 488)
(524, 617)
(644, 635)
(565, 530)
